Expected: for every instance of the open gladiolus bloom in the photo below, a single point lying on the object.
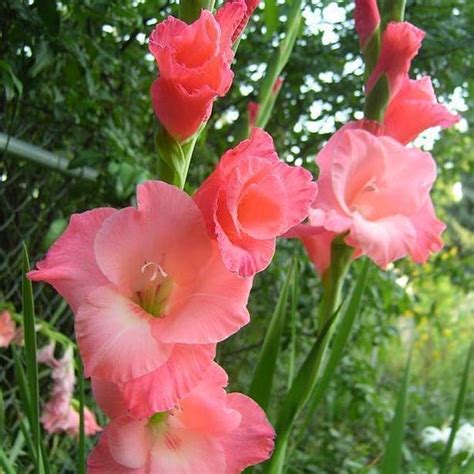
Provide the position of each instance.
(207, 432)
(250, 199)
(146, 281)
(377, 191)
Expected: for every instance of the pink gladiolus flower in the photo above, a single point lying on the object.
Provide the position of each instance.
(400, 44)
(59, 413)
(207, 432)
(367, 19)
(377, 191)
(414, 109)
(7, 328)
(194, 67)
(150, 293)
(250, 199)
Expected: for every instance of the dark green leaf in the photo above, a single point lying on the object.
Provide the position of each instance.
(262, 380)
(392, 459)
(457, 412)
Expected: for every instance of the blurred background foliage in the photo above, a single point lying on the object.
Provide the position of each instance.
(75, 77)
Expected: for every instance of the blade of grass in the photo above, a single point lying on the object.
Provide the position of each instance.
(294, 302)
(305, 381)
(31, 364)
(457, 412)
(5, 463)
(393, 452)
(82, 437)
(262, 380)
(2, 415)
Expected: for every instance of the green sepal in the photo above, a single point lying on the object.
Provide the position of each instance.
(377, 100)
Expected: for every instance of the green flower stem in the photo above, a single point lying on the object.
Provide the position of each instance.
(190, 10)
(333, 278)
(393, 10)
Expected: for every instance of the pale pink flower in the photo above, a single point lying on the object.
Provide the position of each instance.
(377, 191)
(207, 432)
(59, 413)
(7, 328)
(150, 293)
(252, 198)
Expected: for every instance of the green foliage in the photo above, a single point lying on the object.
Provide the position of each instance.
(393, 451)
(457, 412)
(262, 381)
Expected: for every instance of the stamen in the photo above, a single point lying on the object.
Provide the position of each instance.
(157, 268)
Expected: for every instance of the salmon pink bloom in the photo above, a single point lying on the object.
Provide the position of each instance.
(377, 191)
(149, 290)
(400, 44)
(7, 329)
(207, 432)
(194, 67)
(414, 109)
(367, 20)
(251, 198)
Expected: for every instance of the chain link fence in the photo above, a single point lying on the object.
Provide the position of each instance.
(35, 203)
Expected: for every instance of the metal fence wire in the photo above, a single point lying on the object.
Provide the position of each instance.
(32, 198)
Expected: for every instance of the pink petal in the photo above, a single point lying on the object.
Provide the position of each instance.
(115, 340)
(70, 265)
(232, 18)
(170, 99)
(252, 441)
(184, 452)
(400, 44)
(318, 247)
(204, 409)
(129, 442)
(415, 109)
(206, 310)
(243, 254)
(367, 19)
(259, 144)
(100, 461)
(109, 398)
(161, 389)
(256, 199)
(428, 233)
(381, 178)
(384, 240)
(166, 229)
